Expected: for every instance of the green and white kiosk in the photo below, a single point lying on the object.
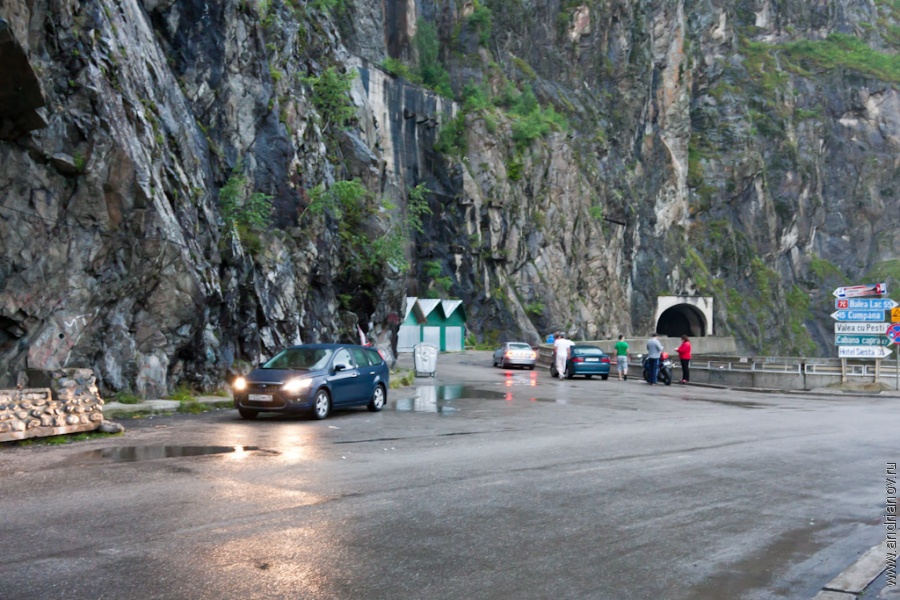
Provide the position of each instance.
(432, 321)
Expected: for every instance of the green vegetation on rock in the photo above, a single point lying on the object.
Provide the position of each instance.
(806, 57)
(331, 96)
(244, 213)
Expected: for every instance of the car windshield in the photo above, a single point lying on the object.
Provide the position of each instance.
(586, 351)
(300, 358)
(519, 347)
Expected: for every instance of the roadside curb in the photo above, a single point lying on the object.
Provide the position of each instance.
(857, 577)
(117, 409)
(817, 392)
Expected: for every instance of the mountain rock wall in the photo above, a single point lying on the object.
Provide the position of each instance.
(581, 159)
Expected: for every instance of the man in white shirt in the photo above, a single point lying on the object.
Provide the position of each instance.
(561, 346)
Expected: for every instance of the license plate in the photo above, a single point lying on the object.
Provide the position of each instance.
(260, 397)
(592, 359)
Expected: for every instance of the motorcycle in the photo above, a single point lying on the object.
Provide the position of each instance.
(665, 368)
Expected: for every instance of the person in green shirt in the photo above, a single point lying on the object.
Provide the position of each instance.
(622, 358)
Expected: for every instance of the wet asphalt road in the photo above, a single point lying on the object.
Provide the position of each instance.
(514, 486)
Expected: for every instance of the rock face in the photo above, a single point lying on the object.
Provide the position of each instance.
(592, 157)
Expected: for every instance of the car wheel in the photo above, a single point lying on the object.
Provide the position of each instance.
(553, 371)
(494, 363)
(588, 376)
(531, 368)
(321, 405)
(570, 373)
(247, 414)
(604, 377)
(377, 401)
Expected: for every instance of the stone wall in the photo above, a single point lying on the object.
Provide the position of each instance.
(70, 403)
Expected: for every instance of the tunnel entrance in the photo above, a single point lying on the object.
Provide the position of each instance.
(681, 319)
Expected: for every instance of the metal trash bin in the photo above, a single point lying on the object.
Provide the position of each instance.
(425, 359)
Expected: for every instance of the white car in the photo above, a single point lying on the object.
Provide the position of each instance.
(515, 354)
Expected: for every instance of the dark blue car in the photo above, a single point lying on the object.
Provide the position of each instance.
(588, 361)
(314, 378)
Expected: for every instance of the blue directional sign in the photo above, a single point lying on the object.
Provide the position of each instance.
(865, 303)
(860, 340)
(858, 315)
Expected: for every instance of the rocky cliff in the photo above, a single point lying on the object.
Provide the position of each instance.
(187, 186)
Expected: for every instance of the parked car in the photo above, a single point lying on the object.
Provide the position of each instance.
(515, 354)
(314, 378)
(588, 361)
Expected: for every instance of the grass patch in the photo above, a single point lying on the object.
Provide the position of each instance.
(182, 394)
(404, 379)
(127, 398)
(192, 407)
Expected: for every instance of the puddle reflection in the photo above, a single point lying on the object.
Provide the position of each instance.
(527, 379)
(137, 453)
(440, 398)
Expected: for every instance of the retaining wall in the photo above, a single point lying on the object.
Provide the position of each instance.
(69, 403)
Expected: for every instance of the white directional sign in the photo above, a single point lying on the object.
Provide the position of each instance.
(857, 291)
(863, 352)
(858, 315)
(863, 328)
(865, 303)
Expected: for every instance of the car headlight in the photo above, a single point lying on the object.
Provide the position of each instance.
(240, 384)
(297, 384)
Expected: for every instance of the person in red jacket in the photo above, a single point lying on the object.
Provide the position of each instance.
(684, 353)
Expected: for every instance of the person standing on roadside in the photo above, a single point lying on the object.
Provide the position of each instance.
(684, 353)
(622, 358)
(562, 346)
(654, 351)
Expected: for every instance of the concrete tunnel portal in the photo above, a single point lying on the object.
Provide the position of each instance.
(684, 315)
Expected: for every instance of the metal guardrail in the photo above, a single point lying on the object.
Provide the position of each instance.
(788, 365)
(819, 367)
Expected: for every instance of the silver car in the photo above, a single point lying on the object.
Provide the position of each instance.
(515, 354)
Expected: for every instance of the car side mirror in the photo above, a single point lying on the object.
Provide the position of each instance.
(340, 367)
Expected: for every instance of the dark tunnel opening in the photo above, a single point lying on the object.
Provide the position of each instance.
(682, 319)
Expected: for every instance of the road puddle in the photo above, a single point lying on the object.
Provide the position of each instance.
(439, 398)
(139, 453)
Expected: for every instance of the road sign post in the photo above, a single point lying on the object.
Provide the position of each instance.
(860, 312)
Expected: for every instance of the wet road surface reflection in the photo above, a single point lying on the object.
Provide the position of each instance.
(440, 398)
(138, 453)
(736, 404)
